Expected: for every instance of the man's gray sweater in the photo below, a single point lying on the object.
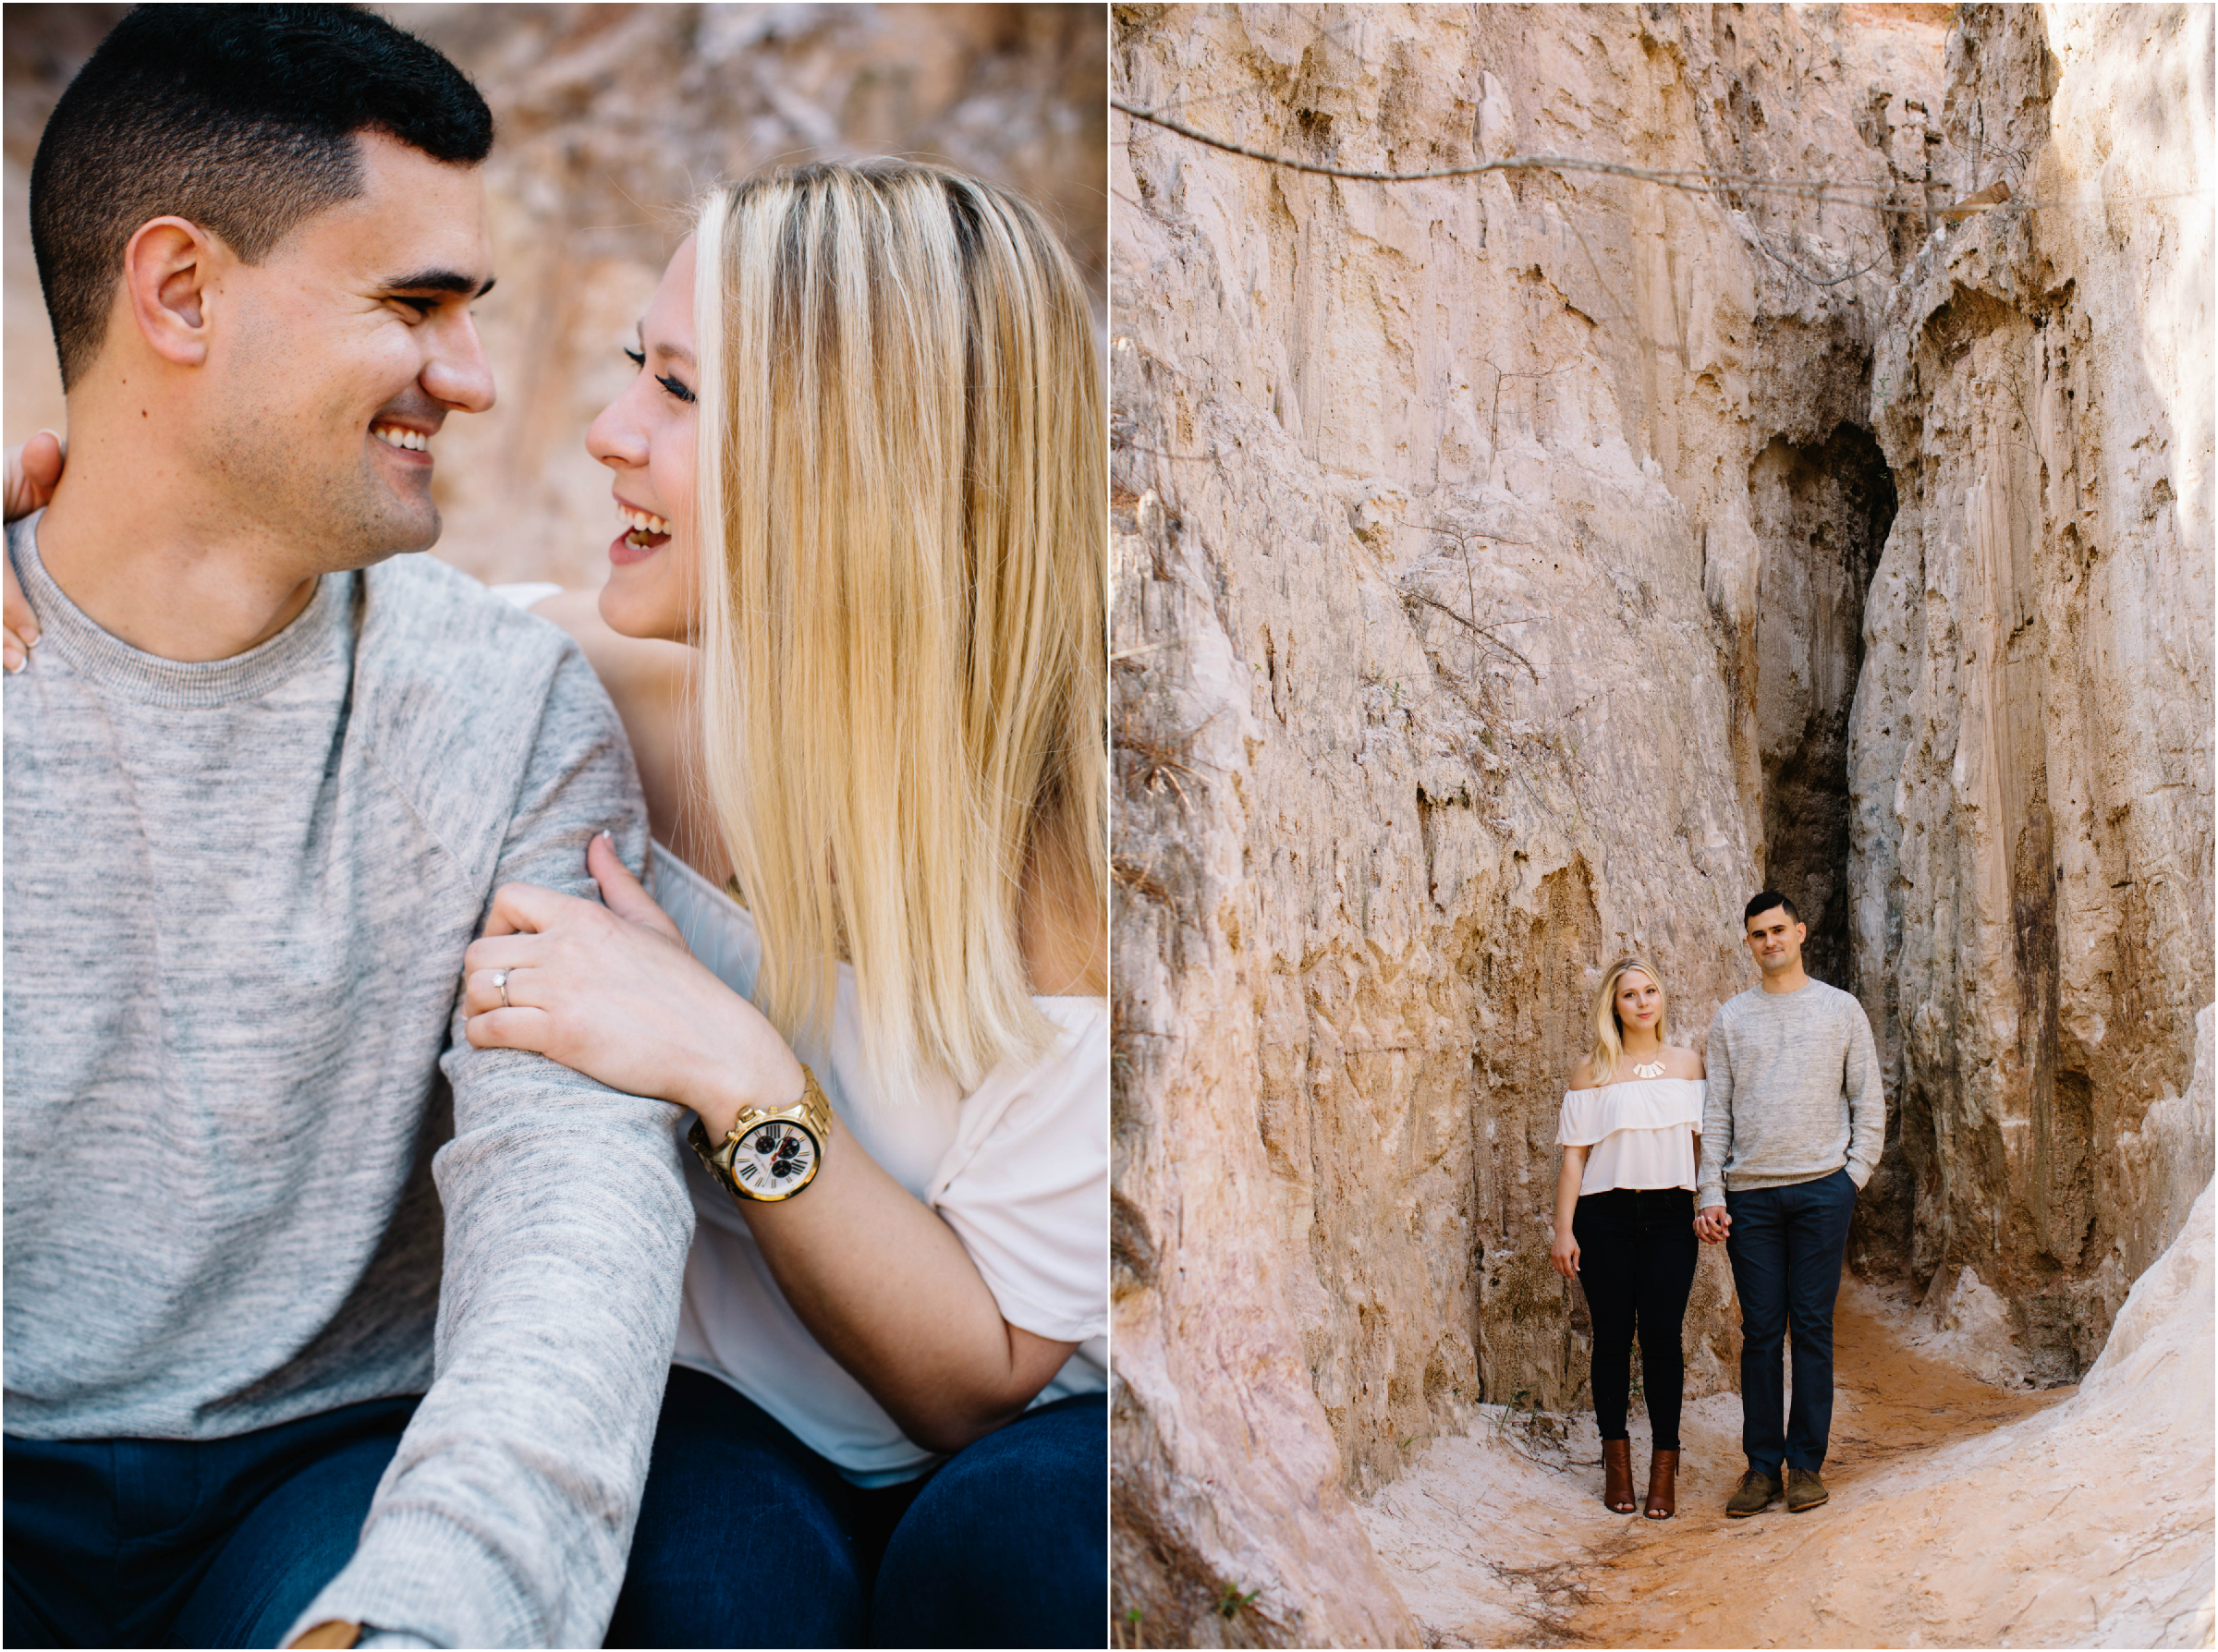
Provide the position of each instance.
(240, 1101)
(1793, 1092)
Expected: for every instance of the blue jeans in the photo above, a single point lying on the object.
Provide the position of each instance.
(188, 1542)
(749, 1538)
(1786, 1244)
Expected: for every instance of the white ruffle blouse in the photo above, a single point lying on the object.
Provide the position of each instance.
(1018, 1167)
(1641, 1132)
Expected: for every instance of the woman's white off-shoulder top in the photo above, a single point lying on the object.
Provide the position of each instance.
(1641, 1131)
(1018, 1167)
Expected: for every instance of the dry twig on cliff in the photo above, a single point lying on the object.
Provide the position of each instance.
(1163, 763)
(1484, 633)
(1694, 180)
(1140, 880)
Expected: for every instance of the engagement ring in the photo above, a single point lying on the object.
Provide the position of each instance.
(500, 979)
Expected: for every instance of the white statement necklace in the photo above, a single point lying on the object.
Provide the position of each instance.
(1655, 1070)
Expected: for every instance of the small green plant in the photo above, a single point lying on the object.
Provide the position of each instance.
(1520, 1405)
(1232, 1601)
(1127, 1632)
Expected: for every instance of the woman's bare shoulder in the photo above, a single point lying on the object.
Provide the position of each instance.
(1684, 1063)
(624, 664)
(1582, 1076)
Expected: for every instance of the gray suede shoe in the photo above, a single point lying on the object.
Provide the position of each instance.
(1752, 1496)
(1804, 1489)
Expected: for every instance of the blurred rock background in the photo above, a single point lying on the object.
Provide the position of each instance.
(611, 118)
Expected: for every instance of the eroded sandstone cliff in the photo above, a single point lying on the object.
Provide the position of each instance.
(2032, 739)
(1516, 570)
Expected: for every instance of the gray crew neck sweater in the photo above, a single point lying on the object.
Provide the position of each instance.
(254, 1169)
(1793, 1092)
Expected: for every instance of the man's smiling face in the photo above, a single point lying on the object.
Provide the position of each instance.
(340, 356)
(1775, 941)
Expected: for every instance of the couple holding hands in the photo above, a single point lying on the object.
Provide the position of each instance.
(1771, 1136)
(360, 1286)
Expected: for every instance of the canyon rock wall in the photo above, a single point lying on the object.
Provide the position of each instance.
(610, 120)
(2032, 739)
(1510, 571)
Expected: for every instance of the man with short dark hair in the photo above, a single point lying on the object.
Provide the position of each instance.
(1792, 1129)
(319, 1322)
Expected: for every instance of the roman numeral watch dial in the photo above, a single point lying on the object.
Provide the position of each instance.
(770, 1156)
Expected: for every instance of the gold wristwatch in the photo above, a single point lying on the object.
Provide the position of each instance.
(770, 1154)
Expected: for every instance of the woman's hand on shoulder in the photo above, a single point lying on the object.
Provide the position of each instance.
(612, 992)
(32, 472)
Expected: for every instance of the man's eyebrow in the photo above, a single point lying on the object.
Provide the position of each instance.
(440, 281)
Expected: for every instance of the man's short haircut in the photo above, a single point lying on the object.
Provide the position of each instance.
(1764, 903)
(238, 118)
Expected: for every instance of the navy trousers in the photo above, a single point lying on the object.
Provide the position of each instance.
(749, 1538)
(1786, 1244)
(188, 1542)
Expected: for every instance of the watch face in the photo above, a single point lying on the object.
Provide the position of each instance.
(775, 1159)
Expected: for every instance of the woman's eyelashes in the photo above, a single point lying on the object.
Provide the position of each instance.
(676, 388)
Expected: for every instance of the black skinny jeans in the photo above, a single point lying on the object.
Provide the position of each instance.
(1636, 1252)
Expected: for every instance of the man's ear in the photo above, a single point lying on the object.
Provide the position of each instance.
(169, 269)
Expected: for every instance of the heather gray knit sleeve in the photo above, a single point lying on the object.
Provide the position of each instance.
(1867, 1097)
(507, 1515)
(1717, 1115)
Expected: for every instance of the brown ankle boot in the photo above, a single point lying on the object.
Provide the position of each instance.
(1617, 1475)
(1663, 1486)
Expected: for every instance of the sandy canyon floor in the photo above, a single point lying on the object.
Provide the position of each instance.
(1962, 1514)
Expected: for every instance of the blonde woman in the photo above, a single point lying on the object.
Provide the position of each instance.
(1631, 1131)
(854, 624)
(860, 474)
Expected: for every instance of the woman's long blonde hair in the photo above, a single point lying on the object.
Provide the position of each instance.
(904, 640)
(1609, 1031)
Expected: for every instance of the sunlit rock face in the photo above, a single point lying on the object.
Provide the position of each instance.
(610, 120)
(2031, 743)
(1519, 570)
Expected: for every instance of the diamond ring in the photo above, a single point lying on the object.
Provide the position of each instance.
(500, 979)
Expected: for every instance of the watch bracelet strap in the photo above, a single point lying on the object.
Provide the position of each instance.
(816, 1111)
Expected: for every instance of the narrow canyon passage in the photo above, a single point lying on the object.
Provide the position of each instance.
(1560, 1570)
(1822, 513)
(1517, 569)
(1772, 1580)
